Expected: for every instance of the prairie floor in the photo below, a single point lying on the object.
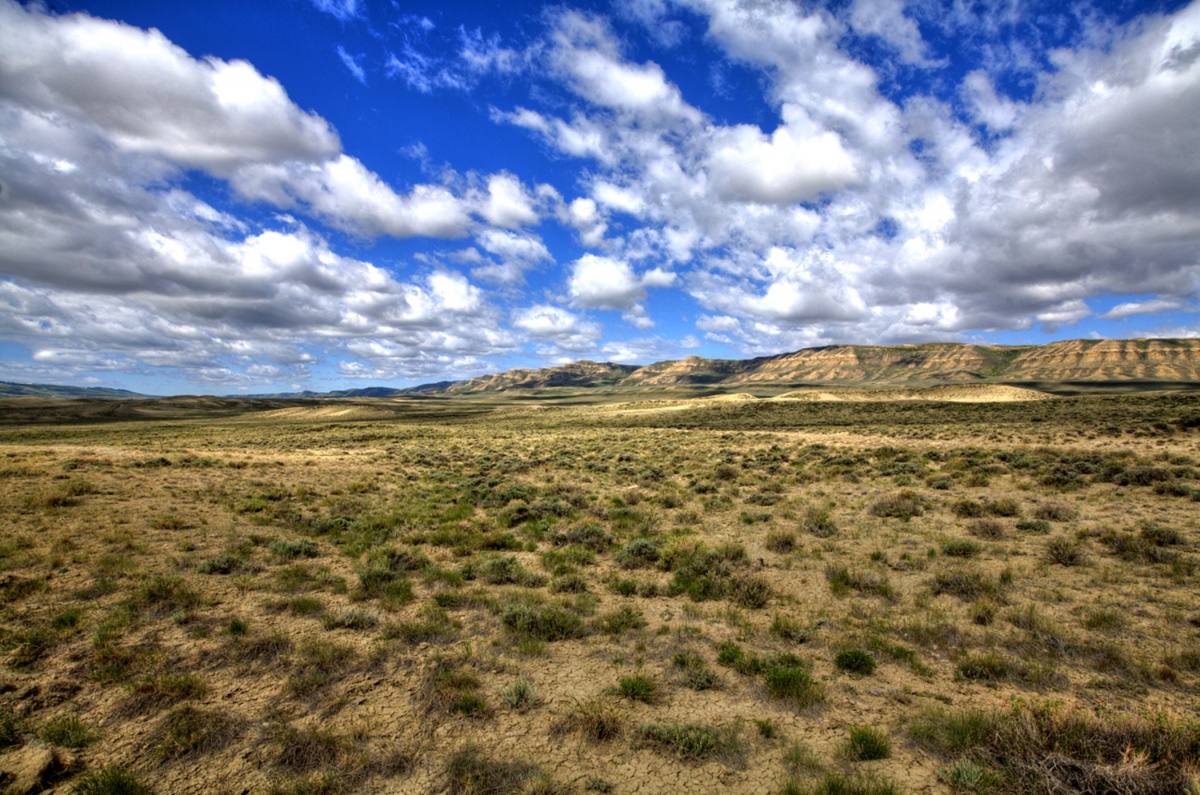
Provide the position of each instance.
(645, 597)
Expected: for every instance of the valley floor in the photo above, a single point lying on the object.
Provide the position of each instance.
(723, 596)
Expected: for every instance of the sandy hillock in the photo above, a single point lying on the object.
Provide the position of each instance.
(982, 393)
(958, 393)
(323, 411)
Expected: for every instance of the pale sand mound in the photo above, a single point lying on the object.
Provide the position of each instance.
(956, 393)
(824, 396)
(649, 407)
(983, 393)
(325, 413)
(685, 404)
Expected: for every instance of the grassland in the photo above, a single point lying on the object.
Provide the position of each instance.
(539, 596)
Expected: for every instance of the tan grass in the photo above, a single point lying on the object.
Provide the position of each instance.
(404, 595)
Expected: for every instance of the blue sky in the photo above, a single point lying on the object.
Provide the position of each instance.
(256, 196)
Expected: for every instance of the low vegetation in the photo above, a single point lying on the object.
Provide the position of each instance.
(489, 595)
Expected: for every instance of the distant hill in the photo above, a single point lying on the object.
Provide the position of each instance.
(366, 392)
(575, 375)
(9, 389)
(926, 364)
(1098, 362)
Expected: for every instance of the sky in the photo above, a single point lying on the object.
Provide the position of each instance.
(259, 196)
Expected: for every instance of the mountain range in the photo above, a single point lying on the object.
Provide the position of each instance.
(9, 389)
(925, 364)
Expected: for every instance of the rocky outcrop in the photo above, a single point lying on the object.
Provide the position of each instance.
(872, 364)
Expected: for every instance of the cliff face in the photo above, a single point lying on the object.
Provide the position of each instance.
(1109, 360)
(870, 364)
(899, 365)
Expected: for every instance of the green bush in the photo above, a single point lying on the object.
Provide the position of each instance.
(1005, 506)
(639, 687)
(521, 695)
(188, 730)
(991, 529)
(67, 731)
(955, 731)
(1040, 526)
(1104, 620)
(960, 548)
(963, 583)
(165, 594)
(798, 757)
(569, 583)
(639, 553)
(305, 606)
(787, 680)
(867, 743)
(788, 628)
(1160, 536)
(751, 592)
(597, 719)
(1062, 551)
(567, 560)
(780, 541)
(388, 585)
(224, 563)
(967, 775)
(289, 549)
(819, 523)
(12, 728)
(698, 587)
(985, 667)
(732, 655)
(110, 780)
(842, 579)
(855, 661)
(550, 623)
(1055, 512)
(351, 618)
(472, 705)
(696, 674)
(841, 784)
(903, 505)
(1039, 746)
(621, 620)
(507, 570)
(470, 772)
(967, 509)
(155, 692)
(689, 740)
(622, 586)
(303, 750)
